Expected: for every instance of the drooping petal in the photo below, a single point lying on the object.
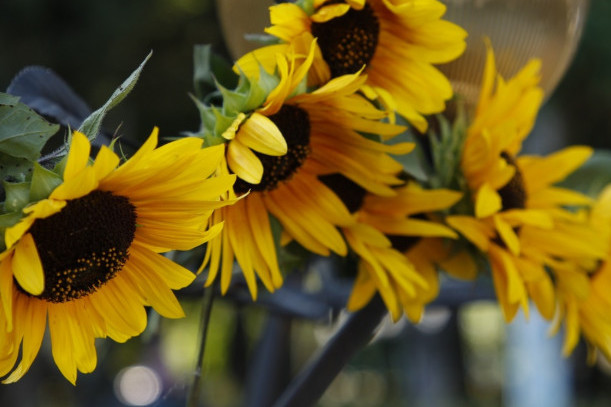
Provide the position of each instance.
(27, 267)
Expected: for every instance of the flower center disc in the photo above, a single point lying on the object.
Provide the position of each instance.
(84, 245)
(350, 193)
(294, 124)
(513, 194)
(348, 42)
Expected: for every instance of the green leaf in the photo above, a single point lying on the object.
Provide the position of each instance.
(23, 133)
(7, 99)
(43, 183)
(91, 125)
(14, 167)
(17, 196)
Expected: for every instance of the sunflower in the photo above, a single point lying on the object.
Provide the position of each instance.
(397, 41)
(396, 242)
(321, 129)
(86, 258)
(519, 219)
(583, 299)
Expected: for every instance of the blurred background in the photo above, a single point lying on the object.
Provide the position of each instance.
(463, 354)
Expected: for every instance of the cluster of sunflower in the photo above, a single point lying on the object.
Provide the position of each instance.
(306, 151)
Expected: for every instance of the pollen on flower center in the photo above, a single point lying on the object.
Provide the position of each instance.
(294, 124)
(513, 194)
(348, 42)
(84, 245)
(351, 194)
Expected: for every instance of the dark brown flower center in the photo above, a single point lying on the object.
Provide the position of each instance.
(84, 245)
(294, 124)
(350, 193)
(513, 194)
(348, 42)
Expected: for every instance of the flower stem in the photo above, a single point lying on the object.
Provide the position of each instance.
(195, 390)
(309, 385)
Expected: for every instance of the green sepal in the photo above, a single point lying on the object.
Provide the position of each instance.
(446, 149)
(266, 83)
(17, 196)
(91, 125)
(43, 183)
(23, 133)
(307, 6)
(233, 101)
(222, 122)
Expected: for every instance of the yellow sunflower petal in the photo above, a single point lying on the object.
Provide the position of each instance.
(244, 163)
(259, 224)
(460, 265)
(174, 275)
(363, 290)
(540, 172)
(543, 295)
(6, 290)
(475, 231)
(571, 327)
(105, 162)
(330, 12)
(508, 235)
(33, 314)
(27, 267)
(153, 289)
(230, 132)
(61, 342)
(288, 20)
(487, 202)
(79, 185)
(261, 134)
(78, 157)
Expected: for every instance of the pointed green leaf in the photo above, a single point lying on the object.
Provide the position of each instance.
(257, 93)
(233, 101)
(17, 195)
(43, 183)
(267, 82)
(91, 125)
(23, 133)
